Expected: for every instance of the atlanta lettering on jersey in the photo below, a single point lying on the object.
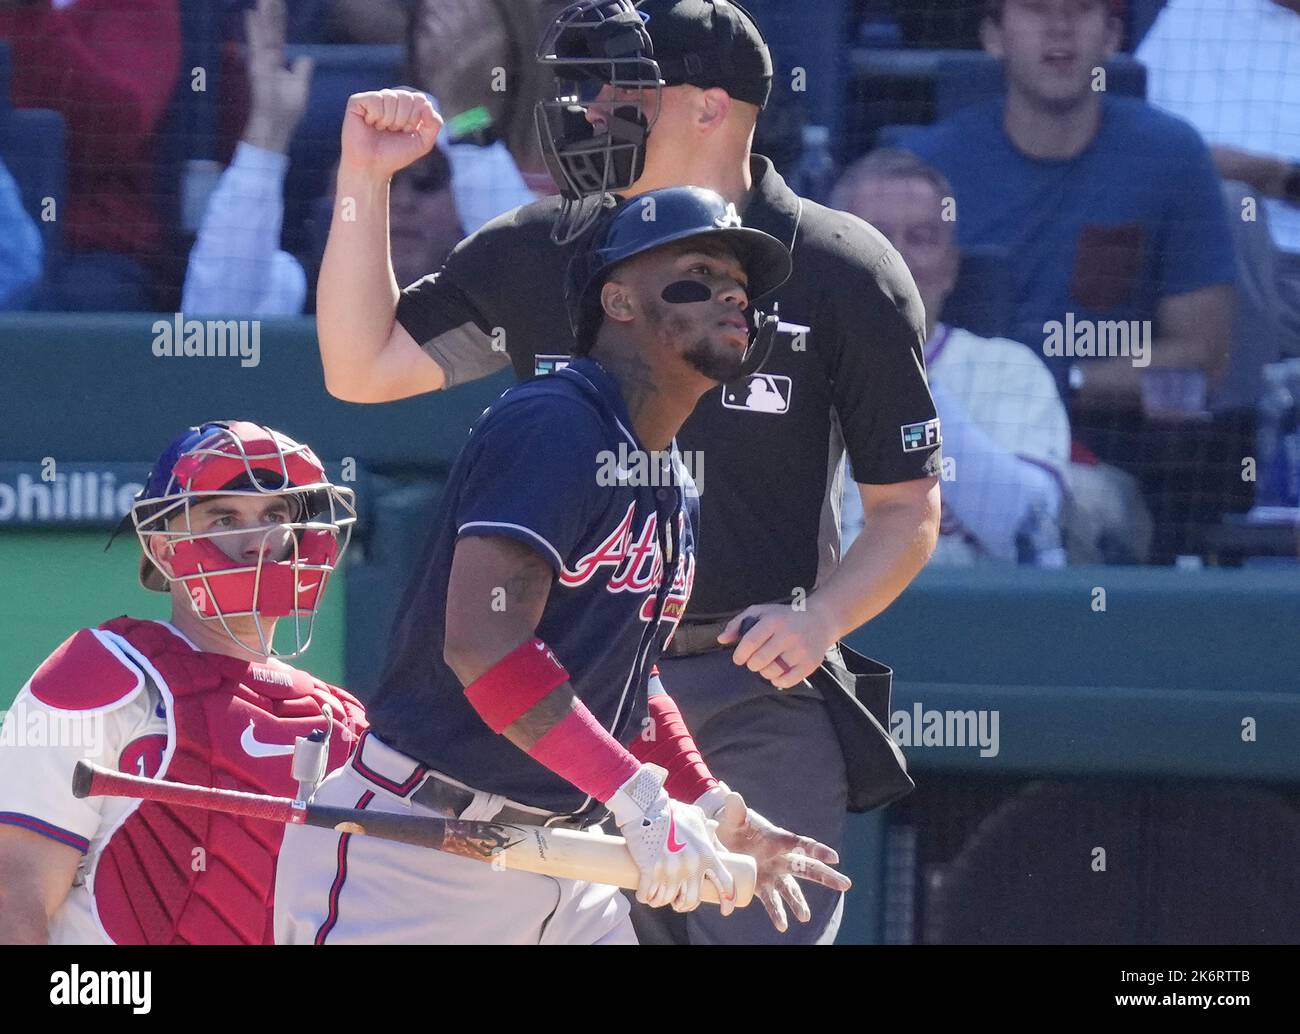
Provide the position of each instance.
(679, 593)
(637, 565)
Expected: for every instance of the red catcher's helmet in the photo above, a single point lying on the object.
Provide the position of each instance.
(294, 558)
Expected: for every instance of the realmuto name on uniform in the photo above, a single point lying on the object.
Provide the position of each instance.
(75, 986)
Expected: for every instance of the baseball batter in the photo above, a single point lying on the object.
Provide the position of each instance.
(520, 687)
(664, 93)
(240, 524)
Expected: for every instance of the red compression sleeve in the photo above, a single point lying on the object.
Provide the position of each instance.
(669, 743)
(516, 683)
(577, 748)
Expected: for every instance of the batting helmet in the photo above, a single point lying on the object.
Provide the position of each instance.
(294, 558)
(661, 217)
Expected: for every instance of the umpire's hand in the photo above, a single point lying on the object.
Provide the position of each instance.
(782, 644)
(386, 130)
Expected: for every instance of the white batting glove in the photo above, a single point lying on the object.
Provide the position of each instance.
(712, 801)
(672, 843)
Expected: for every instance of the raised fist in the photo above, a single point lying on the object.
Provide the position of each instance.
(386, 130)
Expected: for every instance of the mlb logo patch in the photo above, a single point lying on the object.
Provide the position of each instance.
(550, 363)
(921, 436)
(759, 393)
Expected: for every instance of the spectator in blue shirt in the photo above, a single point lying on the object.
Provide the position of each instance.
(21, 251)
(1109, 209)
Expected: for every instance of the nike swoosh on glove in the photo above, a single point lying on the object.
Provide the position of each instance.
(672, 843)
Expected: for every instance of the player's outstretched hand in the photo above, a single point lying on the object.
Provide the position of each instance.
(672, 843)
(386, 130)
(783, 857)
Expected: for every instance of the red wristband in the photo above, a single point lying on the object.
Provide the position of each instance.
(507, 690)
(667, 742)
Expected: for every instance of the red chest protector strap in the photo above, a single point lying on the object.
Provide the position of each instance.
(185, 876)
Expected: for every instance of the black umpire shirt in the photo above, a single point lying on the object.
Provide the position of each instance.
(766, 453)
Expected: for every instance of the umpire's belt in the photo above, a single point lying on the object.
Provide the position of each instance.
(856, 691)
(405, 777)
(695, 637)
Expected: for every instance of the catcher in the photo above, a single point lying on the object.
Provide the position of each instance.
(241, 526)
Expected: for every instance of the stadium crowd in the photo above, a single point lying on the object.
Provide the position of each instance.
(1107, 245)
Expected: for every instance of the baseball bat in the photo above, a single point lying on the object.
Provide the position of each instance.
(563, 853)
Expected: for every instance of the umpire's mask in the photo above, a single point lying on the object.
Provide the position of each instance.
(596, 46)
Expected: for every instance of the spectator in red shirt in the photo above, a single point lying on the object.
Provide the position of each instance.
(109, 67)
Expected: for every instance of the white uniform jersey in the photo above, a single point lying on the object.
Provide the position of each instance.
(1229, 68)
(40, 746)
(1008, 392)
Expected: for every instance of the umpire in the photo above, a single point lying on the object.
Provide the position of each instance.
(663, 93)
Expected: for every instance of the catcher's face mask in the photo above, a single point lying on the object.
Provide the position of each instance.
(232, 567)
(607, 96)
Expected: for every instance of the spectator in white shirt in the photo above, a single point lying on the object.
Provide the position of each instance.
(1006, 436)
(237, 266)
(1232, 69)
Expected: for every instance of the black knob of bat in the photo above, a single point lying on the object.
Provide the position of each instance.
(82, 776)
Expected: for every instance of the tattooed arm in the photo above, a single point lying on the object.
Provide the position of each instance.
(498, 590)
(525, 695)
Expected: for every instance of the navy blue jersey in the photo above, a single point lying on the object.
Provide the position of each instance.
(846, 376)
(542, 466)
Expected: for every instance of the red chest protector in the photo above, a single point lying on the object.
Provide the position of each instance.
(184, 876)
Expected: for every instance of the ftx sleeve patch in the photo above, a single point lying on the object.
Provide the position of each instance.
(922, 435)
